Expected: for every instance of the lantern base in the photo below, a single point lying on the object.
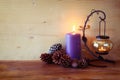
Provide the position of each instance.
(105, 60)
(102, 53)
(100, 58)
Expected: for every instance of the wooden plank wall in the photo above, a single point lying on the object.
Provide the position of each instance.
(29, 27)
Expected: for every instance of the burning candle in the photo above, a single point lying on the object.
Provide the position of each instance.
(101, 49)
(73, 44)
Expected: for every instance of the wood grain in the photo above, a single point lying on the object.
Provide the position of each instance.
(37, 70)
(30, 27)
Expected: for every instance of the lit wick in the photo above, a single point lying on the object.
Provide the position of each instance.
(74, 30)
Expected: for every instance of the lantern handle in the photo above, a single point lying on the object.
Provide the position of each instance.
(104, 27)
(84, 37)
(88, 17)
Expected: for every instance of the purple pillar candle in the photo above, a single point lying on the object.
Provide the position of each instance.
(73, 45)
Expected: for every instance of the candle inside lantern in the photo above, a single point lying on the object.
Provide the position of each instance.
(101, 49)
(73, 44)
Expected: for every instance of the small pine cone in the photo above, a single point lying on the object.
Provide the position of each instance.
(57, 55)
(55, 47)
(46, 58)
(82, 63)
(65, 61)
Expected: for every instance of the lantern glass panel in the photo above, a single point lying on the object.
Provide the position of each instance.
(102, 45)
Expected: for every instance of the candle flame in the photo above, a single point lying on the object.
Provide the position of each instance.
(102, 49)
(74, 29)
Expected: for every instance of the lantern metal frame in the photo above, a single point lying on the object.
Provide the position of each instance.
(84, 38)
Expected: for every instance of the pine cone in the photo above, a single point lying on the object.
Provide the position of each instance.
(57, 55)
(46, 58)
(55, 47)
(65, 61)
(82, 63)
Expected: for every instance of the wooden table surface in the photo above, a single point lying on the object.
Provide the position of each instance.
(37, 70)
